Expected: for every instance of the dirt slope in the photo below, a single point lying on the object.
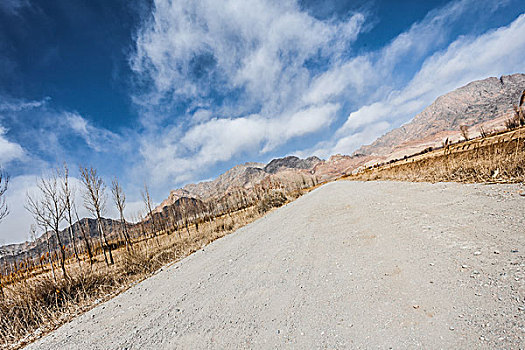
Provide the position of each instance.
(350, 265)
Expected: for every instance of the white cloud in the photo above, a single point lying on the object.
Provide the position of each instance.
(221, 139)
(13, 105)
(9, 151)
(257, 45)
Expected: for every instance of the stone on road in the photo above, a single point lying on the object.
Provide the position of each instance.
(349, 265)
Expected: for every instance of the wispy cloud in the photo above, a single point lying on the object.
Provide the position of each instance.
(49, 134)
(9, 151)
(14, 105)
(229, 78)
(220, 139)
(98, 139)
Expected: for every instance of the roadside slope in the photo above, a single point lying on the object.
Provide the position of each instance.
(351, 264)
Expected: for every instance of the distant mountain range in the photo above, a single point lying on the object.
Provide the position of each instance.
(38, 247)
(485, 103)
(244, 176)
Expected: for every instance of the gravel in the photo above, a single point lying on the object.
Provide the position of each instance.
(349, 265)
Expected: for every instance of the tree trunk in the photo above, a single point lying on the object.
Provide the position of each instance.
(62, 253)
(88, 245)
(49, 257)
(99, 220)
(129, 244)
(72, 238)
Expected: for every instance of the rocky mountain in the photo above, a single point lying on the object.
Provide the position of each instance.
(484, 103)
(244, 176)
(291, 162)
(36, 248)
(337, 166)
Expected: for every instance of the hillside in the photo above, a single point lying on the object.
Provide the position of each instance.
(480, 104)
(486, 103)
(244, 176)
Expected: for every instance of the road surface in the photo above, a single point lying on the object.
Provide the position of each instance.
(349, 265)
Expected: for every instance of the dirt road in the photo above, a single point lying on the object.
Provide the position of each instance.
(350, 265)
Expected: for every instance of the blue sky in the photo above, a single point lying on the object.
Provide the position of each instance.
(171, 92)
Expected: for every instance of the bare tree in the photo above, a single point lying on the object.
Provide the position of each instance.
(68, 199)
(86, 238)
(119, 197)
(147, 202)
(95, 202)
(519, 115)
(49, 210)
(4, 182)
(48, 243)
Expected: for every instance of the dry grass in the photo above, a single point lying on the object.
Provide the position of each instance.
(497, 158)
(38, 304)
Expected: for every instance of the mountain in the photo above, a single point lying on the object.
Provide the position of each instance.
(38, 247)
(484, 103)
(291, 162)
(244, 176)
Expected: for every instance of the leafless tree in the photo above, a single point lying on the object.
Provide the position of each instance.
(148, 203)
(49, 210)
(32, 233)
(68, 199)
(43, 226)
(119, 197)
(95, 202)
(4, 182)
(86, 238)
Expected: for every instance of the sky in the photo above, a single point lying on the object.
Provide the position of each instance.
(168, 92)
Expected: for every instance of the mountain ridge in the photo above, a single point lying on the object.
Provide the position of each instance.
(481, 103)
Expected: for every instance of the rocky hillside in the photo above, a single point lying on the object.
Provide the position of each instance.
(38, 247)
(244, 176)
(485, 102)
(287, 170)
(291, 162)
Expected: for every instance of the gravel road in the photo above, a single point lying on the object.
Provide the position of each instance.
(349, 265)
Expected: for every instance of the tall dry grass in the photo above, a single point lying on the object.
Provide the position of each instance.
(499, 158)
